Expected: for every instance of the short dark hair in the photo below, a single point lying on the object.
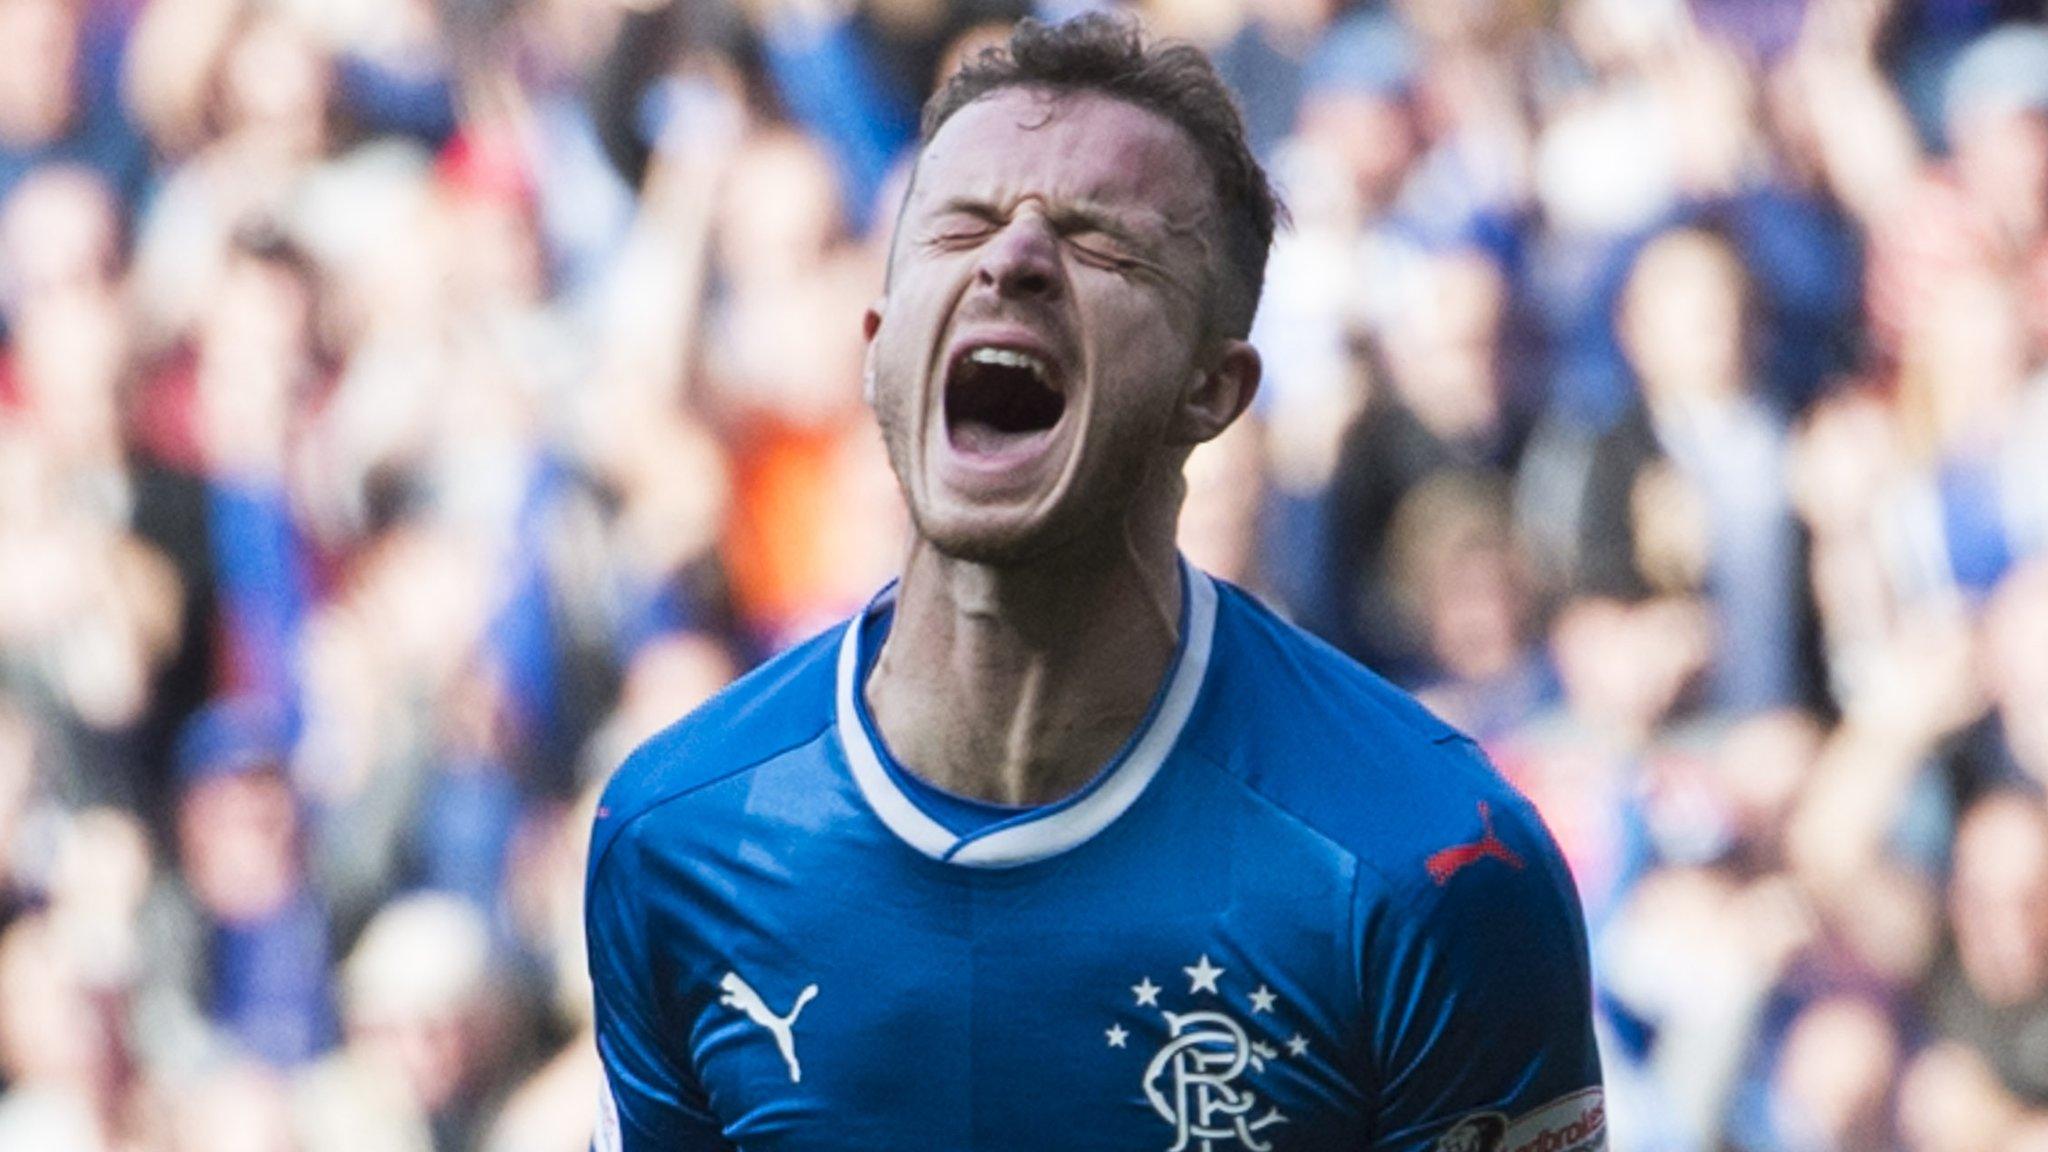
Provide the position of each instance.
(1107, 54)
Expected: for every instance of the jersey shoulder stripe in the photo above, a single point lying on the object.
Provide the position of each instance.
(783, 704)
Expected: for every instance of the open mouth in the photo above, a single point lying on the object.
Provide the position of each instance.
(998, 398)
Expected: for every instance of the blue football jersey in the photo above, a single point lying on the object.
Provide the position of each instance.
(1296, 912)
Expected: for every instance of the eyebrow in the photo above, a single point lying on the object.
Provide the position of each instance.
(968, 206)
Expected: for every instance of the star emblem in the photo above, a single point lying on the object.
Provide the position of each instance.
(1207, 1076)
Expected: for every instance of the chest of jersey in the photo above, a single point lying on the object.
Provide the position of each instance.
(1184, 981)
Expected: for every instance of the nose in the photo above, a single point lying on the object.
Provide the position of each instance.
(1022, 261)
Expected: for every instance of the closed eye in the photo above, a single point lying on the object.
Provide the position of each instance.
(1101, 251)
(962, 227)
(959, 237)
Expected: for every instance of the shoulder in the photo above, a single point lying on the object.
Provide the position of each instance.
(781, 705)
(1349, 756)
(1452, 874)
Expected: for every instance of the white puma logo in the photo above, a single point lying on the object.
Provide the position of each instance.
(739, 994)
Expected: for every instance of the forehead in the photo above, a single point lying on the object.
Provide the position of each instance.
(1073, 147)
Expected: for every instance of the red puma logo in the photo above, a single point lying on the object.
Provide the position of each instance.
(1445, 864)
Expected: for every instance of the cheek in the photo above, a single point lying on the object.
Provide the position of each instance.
(919, 305)
(1145, 344)
(898, 389)
(1125, 321)
(1135, 399)
(902, 351)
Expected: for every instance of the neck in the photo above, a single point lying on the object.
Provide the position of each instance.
(1015, 684)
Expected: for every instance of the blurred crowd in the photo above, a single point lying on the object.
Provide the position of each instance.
(406, 407)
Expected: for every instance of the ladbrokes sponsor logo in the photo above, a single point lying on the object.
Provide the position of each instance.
(1574, 1123)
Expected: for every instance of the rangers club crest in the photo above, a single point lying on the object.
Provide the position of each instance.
(1202, 1081)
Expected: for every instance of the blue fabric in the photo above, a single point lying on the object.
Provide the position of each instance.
(465, 830)
(1364, 53)
(1806, 259)
(233, 735)
(586, 209)
(101, 137)
(1291, 938)
(1294, 560)
(835, 91)
(1755, 566)
(649, 611)
(1575, 283)
(521, 639)
(262, 578)
(386, 101)
(1974, 522)
(269, 983)
(1268, 82)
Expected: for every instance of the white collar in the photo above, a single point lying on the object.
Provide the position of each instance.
(1055, 828)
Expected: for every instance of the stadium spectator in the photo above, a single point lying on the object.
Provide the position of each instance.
(435, 400)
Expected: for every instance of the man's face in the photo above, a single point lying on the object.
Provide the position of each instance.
(1033, 362)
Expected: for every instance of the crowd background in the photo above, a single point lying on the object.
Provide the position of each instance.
(406, 406)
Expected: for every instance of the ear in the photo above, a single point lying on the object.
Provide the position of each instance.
(1219, 394)
(870, 323)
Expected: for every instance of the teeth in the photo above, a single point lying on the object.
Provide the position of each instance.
(1010, 358)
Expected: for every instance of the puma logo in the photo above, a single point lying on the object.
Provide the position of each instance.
(1447, 863)
(739, 994)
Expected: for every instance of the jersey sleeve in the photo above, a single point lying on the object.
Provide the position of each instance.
(651, 1101)
(1479, 1001)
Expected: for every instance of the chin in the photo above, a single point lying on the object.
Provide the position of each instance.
(1010, 533)
(987, 542)
(1073, 515)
